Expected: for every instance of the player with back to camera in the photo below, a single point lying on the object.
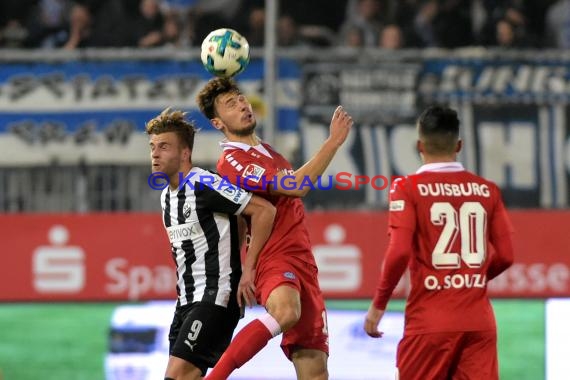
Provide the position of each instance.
(286, 273)
(200, 217)
(443, 221)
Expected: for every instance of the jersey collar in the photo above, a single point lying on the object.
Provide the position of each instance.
(441, 167)
(245, 147)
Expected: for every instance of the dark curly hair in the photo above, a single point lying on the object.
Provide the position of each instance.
(214, 88)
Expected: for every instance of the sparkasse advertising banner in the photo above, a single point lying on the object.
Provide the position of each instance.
(112, 257)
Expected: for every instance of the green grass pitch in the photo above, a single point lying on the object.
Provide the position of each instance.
(69, 340)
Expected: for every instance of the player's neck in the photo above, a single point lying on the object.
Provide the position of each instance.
(175, 179)
(427, 159)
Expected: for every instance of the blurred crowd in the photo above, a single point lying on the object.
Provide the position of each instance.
(391, 24)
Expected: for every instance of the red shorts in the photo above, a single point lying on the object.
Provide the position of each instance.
(468, 355)
(311, 330)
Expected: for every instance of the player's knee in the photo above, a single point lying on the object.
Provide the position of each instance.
(284, 304)
(286, 315)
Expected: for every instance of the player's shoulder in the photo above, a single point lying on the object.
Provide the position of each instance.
(482, 180)
(402, 183)
(231, 159)
(207, 175)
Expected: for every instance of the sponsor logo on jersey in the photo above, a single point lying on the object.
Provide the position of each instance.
(397, 205)
(183, 232)
(191, 345)
(187, 210)
(253, 172)
(232, 192)
(289, 275)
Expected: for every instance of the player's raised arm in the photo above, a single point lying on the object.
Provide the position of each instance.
(262, 214)
(340, 126)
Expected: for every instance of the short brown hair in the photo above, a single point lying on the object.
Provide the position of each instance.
(211, 91)
(438, 128)
(173, 121)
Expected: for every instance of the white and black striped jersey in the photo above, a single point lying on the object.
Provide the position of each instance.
(200, 219)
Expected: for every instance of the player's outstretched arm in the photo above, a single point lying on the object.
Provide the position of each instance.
(340, 126)
(262, 214)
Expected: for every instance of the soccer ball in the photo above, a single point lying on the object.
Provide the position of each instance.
(225, 52)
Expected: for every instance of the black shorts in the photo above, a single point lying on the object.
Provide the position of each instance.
(201, 332)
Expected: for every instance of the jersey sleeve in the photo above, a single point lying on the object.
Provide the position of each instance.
(219, 195)
(246, 172)
(402, 211)
(500, 236)
(394, 265)
(500, 221)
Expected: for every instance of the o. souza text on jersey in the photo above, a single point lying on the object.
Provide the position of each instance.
(456, 281)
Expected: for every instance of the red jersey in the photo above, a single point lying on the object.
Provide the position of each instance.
(252, 168)
(455, 216)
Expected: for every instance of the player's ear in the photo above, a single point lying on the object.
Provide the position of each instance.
(420, 146)
(459, 146)
(186, 154)
(217, 123)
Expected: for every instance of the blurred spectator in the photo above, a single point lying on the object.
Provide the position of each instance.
(329, 14)
(517, 13)
(288, 32)
(523, 14)
(404, 13)
(226, 9)
(386, 12)
(453, 24)
(180, 7)
(479, 19)
(147, 27)
(352, 37)
(444, 23)
(13, 18)
(80, 23)
(48, 26)
(424, 23)
(507, 35)
(416, 23)
(367, 18)
(391, 37)
(209, 15)
(558, 25)
(13, 34)
(172, 30)
(103, 23)
(254, 31)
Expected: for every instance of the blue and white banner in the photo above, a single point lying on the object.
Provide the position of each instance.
(96, 111)
(514, 123)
